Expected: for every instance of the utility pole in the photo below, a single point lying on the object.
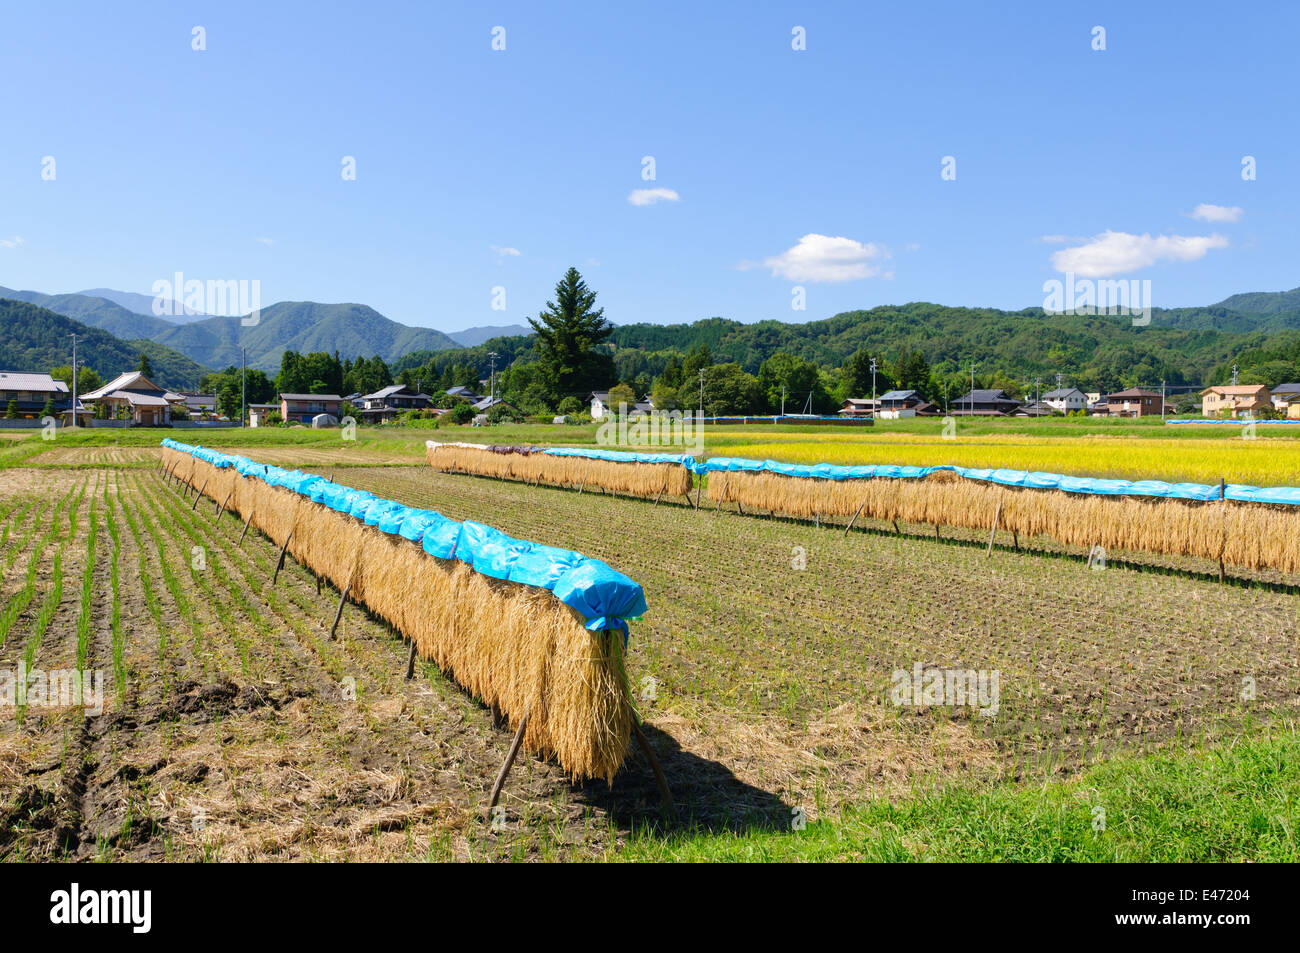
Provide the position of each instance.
(971, 405)
(1058, 380)
(243, 386)
(701, 392)
(782, 400)
(1234, 375)
(74, 380)
(1162, 399)
(492, 376)
(873, 388)
(1038, 397)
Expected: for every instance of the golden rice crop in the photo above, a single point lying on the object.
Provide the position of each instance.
(647, 480)
(1251, 535)
(515, 647)
(1272, 458)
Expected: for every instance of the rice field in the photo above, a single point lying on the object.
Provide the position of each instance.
(1263, 460)
(766, 672)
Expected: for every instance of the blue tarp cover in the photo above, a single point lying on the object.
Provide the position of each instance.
(605, 598)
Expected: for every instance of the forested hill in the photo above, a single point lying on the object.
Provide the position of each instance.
(1182, 346)
(36, 340)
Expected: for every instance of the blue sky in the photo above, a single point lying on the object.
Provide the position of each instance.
(226, 163)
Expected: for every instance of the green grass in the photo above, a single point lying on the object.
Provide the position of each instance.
(1231, 803)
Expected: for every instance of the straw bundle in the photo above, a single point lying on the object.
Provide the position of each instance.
(1251, 535)
(517, 648)
(648, 480)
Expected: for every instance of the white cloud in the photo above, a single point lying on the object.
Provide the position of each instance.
(1217, 213)
(264, 241)
(505, 250)
(1116, 253)
(823, 258)
(651, 196)
(12, 242)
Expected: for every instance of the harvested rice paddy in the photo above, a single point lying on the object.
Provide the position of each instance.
(233, 728)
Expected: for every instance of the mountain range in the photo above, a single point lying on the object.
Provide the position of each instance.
(353, 330)
(1182, 344)
(36, 339)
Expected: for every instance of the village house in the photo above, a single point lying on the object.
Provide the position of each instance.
(859, 407)
(984, 403)
(303, 408)
(1036, 409)
(387, 402)
(461, 392)
(1067, 400)
(257, 414)
(1133, 402)
(1285, 396)
(197, 406)
(897, 404)
(1234, 400)
(132, 396)
(29, 394)
(600, 406)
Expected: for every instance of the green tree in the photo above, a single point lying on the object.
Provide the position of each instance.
(568, 333)
(144, 366)
(462, 413)
(698, 359)
(11, 412)
(728, 390)
(621, 397)
(672, 374)
(912, 372)
(798, 380)
(87, 378)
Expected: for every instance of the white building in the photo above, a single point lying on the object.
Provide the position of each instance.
(1067, 399)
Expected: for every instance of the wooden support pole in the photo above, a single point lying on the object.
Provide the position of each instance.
(897, 531)
(224, 502)
(994, 532)
(936, 532)
(740, 509)
(410, 662)
(1222, 489)
(318, 584)
(854, 520)
(510, 760)
(279, 564)
(343, 597)
(661, 493)
(582, 484)
(665, 795)
(699, 487)
(245, 529)
(1015, 540)
(198, 496)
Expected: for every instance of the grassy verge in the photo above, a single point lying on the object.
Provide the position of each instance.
(1230, 803)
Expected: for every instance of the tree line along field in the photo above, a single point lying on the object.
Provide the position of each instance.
(234, 729)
